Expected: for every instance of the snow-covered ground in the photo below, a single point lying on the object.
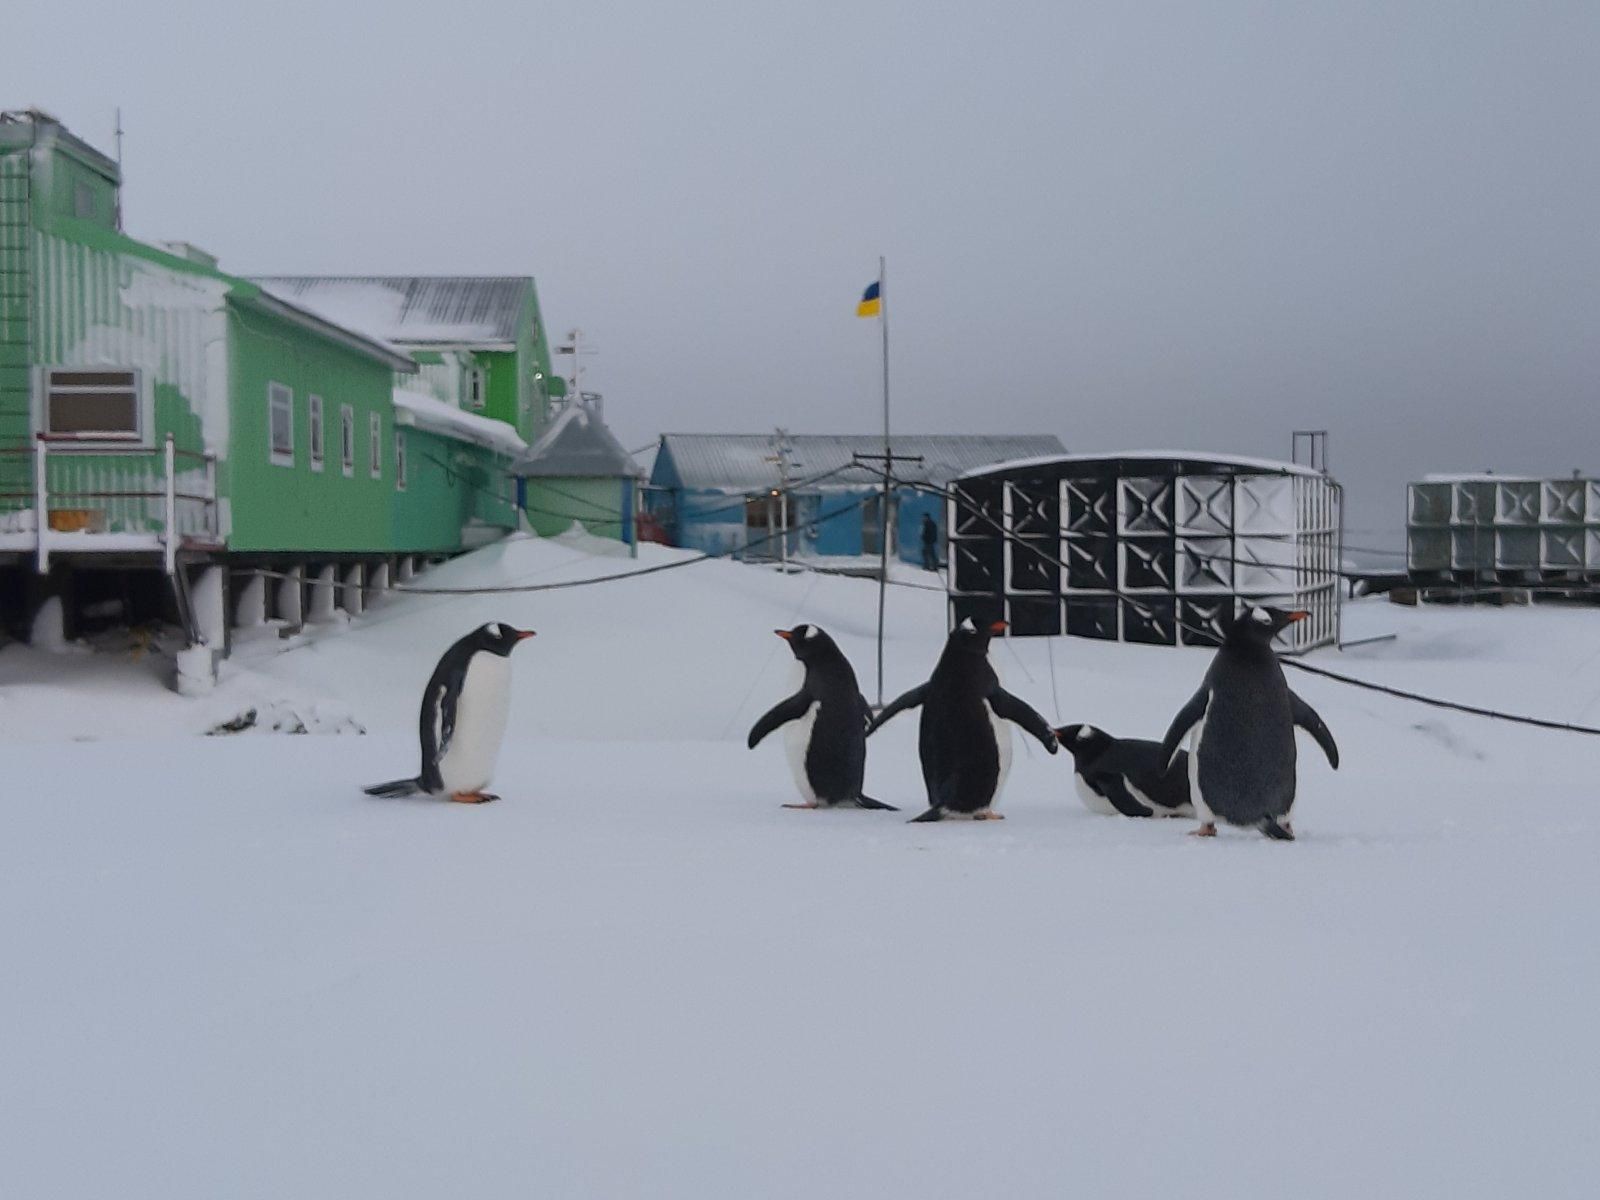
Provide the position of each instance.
(229, 973)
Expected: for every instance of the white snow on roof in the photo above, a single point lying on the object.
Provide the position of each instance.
(1271, 465)
(414, 309)
(439, 417)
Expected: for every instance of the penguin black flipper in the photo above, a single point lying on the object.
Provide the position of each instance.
(781, 713)
(1020, 712)
(437, 719)
(1306, 717)
(1188, 717)
(898, 705)
(1115, 789)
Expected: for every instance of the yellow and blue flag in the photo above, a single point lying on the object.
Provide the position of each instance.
(871, 301)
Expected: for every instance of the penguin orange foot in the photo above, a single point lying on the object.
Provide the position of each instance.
(988, 816)
(1209, 829)
(473, 797)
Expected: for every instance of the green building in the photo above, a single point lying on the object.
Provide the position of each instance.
(217, 447)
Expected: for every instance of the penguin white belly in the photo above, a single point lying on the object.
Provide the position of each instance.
(1093, 800)
(467, 764)
(796, 741)
(1201, 809)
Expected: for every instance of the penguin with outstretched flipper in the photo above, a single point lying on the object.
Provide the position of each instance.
(964, 741)
(463, 718)
(1241, 727)
(825, 725)
(1126, 775)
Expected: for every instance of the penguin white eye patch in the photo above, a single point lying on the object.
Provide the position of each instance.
(967, 625)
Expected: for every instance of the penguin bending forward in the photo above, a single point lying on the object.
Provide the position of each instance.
(825, 725)
(964, 742)
(1126, 775)
(463, 718)
(1241, 731)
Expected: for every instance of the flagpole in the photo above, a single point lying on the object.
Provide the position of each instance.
(888, 462)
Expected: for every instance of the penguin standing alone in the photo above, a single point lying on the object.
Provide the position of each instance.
(825, 725)
(1241, 731)
(964, 743)
(1126, 775)
(463, 718)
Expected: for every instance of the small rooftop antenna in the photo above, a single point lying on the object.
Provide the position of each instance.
(575, 347)
(119, 169)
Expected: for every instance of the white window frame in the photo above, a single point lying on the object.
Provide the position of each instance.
(347, 440)
(477, 388)
(375, 444)
(317, 433)
(399, 460)
(140, 439)
(280, 396)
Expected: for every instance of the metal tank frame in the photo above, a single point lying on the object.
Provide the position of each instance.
(1151, 546)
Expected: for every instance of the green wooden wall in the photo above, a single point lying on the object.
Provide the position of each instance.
(298, 507)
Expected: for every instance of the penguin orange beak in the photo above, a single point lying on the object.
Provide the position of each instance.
(998, 627)
(784, 634)
(524, 634)
(1299, 614)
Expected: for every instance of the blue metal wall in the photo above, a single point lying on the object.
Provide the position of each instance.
(828, 524)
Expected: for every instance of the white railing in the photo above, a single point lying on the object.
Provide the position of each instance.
(114, 501)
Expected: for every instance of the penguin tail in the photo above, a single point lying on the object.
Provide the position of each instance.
(395, 787)
(933, 814)
(864, 801)
(1277, 832)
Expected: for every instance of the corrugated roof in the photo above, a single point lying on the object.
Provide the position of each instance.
(739, 461)
(414, 310)
(576, 446)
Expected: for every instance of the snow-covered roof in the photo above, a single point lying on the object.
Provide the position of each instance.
(741, 461)
(484, 312)
(436, 416)
(576, 445)
(1265, 465)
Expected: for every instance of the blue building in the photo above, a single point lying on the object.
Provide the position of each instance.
(731, 493)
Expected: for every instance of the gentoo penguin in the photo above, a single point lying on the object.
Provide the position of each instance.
(1241, 731)
(1126, 775)
(825, 724)
(964, 741)
(463, 718)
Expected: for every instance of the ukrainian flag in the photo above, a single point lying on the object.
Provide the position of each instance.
(871, 302)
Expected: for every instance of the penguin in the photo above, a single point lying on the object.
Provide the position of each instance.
(1126, 775)
(463, 718)
(964, 742)
(1241, 731)
(825, 725)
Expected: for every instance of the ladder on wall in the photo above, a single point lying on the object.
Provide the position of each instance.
(16, 316)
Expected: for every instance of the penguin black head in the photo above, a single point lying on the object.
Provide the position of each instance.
(498, 638)
(1085, 742)
(970, 636)
(808, 642)
(1258, 624)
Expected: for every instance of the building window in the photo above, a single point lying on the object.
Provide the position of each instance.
(83, 205)
(347, 439)
(399, 460)
(375, 445)
(475, 398)
(280, 424)
(93, 406)
(314, 416)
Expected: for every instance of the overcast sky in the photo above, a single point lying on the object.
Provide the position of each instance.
(1134, 225)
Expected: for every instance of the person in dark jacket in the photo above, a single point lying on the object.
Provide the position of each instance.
(930, 543)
